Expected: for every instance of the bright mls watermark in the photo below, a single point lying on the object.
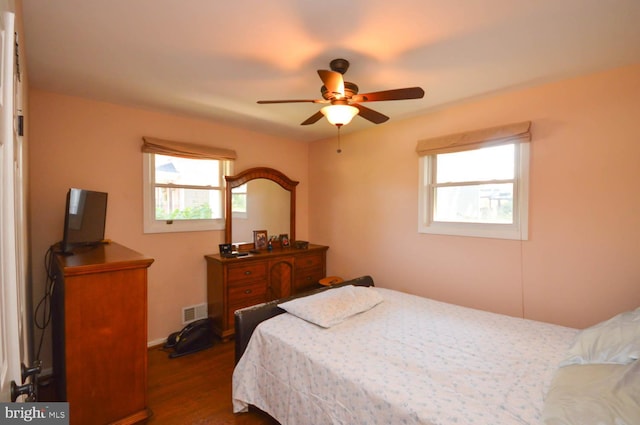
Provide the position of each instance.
(34, 413)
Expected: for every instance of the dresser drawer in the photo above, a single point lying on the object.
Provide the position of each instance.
(237, 293)
(246, 272)
(308, 278)
(309, 261)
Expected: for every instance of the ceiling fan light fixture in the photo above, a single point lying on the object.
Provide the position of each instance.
(346, 100)
(339, 115)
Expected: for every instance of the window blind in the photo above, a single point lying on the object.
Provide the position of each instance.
(185, 150)
(511, 133)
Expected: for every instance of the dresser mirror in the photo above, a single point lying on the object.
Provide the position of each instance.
(267, 202)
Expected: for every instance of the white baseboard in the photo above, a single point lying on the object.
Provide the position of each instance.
(155, 342)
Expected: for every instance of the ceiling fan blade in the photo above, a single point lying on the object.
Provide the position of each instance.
(313, 118)
(371, 115)
(262, 102)
(333, 81)
(397, 94)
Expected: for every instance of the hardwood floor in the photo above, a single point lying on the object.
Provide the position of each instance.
(195, 389)
(190, 390)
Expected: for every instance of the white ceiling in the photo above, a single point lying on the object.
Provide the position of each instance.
(215, 59)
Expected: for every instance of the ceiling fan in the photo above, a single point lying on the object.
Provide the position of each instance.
(344, 100)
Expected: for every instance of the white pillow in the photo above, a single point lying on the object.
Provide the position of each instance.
(594, 394)
(330, 307)
(616, 340)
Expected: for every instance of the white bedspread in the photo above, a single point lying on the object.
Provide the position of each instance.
(409, 360)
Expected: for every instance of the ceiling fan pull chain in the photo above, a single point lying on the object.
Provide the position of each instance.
(339, 127)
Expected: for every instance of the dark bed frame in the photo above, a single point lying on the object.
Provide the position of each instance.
(248, 318)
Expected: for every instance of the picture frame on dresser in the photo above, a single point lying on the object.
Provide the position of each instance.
(284, 240)
(260, 239)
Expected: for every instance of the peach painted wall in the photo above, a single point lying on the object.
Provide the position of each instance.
(581, 263)
(81, 143)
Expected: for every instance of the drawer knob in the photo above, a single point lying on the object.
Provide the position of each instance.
(247, 273)
(248, 291)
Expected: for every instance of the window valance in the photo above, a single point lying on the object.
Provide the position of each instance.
(185, 150)
(511, 133)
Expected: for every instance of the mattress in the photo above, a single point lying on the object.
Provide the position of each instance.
(408, 360)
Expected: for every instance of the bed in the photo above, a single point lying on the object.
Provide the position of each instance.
(356, 354)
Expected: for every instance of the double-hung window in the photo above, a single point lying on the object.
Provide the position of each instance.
(184, 186)
(239, 201)
(476, 183)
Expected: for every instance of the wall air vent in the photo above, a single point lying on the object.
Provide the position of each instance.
(194, 312)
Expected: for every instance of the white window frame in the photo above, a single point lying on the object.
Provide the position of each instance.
(151, 225)
(240, 214)
(518, 230)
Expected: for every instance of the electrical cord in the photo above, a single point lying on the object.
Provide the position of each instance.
(44, 305)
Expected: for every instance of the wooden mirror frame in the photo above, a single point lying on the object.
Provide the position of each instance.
(260, 173)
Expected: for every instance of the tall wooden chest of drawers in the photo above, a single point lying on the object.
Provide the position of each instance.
(99, 319)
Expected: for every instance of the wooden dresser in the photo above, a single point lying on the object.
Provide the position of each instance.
(234, 283)
(99, 309)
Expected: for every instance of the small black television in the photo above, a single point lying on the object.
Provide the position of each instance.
(84, 219)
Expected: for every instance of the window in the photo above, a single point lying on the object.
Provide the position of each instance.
(478, 189)
(239, 201)
(183, 192)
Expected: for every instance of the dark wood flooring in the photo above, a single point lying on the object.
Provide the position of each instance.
(191, 390)
(195, 389)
